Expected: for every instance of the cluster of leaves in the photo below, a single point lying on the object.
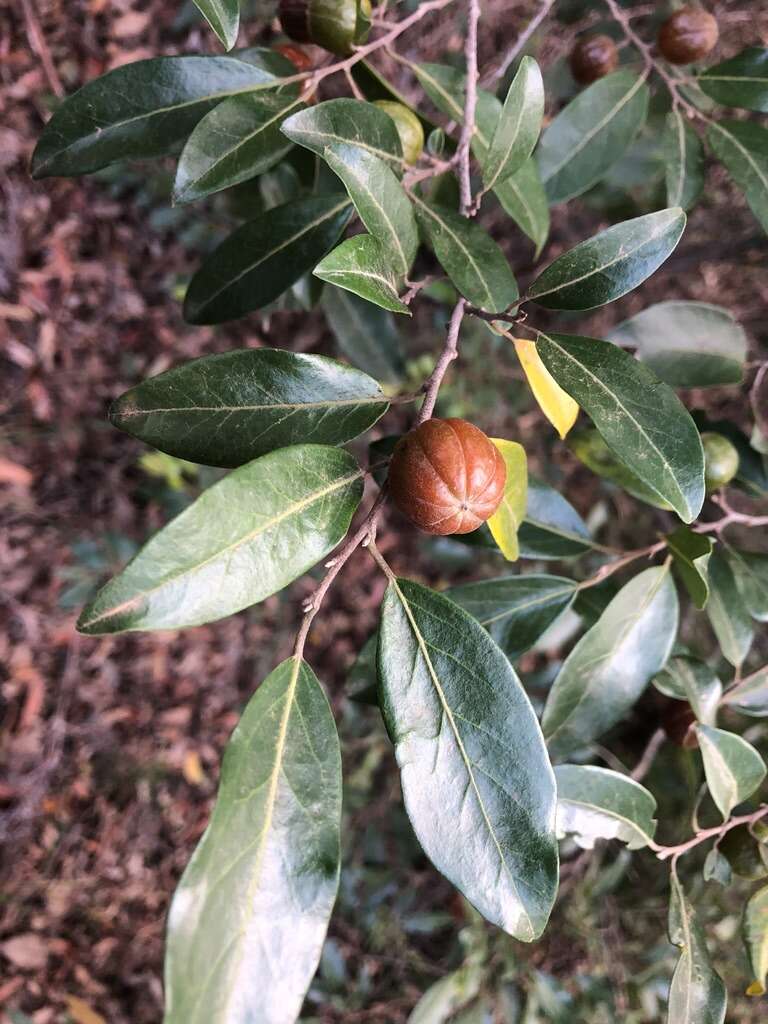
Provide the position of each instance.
(250, 914)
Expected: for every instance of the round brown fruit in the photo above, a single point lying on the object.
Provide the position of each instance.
(298, 57)
(721, 460)
(408, 128)
(336, 25)
(594, 57)
(446, 476)
(688, 35)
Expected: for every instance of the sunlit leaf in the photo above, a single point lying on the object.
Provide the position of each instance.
(346, 121)
(224, 18)
(611, 264)
(610, 666)
(359, 265)
(596, 803)
(641, 418)
(727, 613)
(685, 678)
(733, 767)
(243, 539)
(227, 409)
(518, 127)
(750, 697)
(684, 156)
(476, 779)
(140, 110)
(249, 917)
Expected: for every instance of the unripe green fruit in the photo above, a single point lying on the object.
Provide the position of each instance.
(408, 128)
(336, 25)
(721, 460)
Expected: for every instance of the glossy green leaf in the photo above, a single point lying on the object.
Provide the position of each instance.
(506, 520)
(518, 127)
(476, 779)
(249, 917)
(685, 678)
(697, 994)
(376, 86)
(473, 261)
(552, 528)
(140, 110)
(750, 571)
(686, 344)
(743, 148)
(609, 667)
(733, 767)
(727, 613)
(224, 18)
(611, 264)
(258, 261)
(380, 201)
(596, 803)
(750, 697)
(591, 449)
(641, 419)
(227, 409)
(362, 679)
(741, 81)
(360, 266)
(346, 121)
(522, 195)
(366, 334)
(754, 929)
(236, 141)
(690, 557)
(246, 537)
(591, 134)
(684, 160)
(516, 610)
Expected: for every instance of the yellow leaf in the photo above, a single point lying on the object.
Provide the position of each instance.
(559, 408)
(81, 1013)
(755, 989)
(192, 769)
(506, 520)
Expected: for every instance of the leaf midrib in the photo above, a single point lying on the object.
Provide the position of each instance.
(622, 256)
(278, 406)
(293, 509)
(588, 136)
(423, 647)
(637, 424)
(305, 229)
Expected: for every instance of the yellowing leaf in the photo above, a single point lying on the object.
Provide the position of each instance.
(192, 769)
(506, 520)
(81, 1013)
(559, 408)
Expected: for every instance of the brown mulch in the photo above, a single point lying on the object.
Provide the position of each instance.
(109, 748)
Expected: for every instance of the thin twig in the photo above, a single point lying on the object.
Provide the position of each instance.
(665, 852)
(449, 353)
(618, 563)
(470, 105)
(501, 69)
(40, 47)
(643, 766)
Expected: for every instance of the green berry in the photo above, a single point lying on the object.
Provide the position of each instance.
(721, 460)
(408, 128)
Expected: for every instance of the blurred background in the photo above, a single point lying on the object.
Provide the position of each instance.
(110, 747)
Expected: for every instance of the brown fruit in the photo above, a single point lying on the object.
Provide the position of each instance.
(690, 34)
(446, 476)
(593, 57)
(298, 57)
